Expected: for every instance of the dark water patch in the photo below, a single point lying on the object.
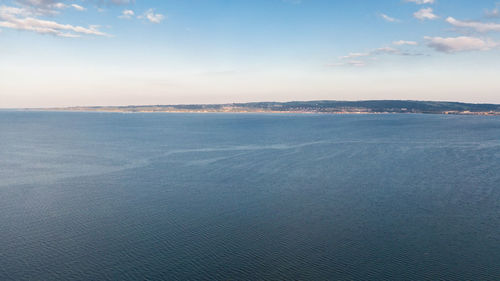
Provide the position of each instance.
(249, 197)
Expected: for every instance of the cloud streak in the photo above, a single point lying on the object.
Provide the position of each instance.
(152, 17)
(127, 14)
(460, 44)
(355, 59)
(78, 7)
(474, 25)
(23, 19)
(403, 42)
(421, 2)
(388, 18)
(42, 7)
(425, 14)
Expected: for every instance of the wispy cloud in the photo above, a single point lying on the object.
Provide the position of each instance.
(425, 14)
(388, 18)
(127, 14)
(78, 7)
(421, 2)
(356, 63)
(152, 17)
(403, 42)
(360, 59)
(378, 51)
(24, 19)
(41, 7)
(386, 50)
(354, 55)
(474, 25)
(460, 44)
(118, 2)
(46, 7)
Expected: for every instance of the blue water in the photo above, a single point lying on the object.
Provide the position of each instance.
(109, 196)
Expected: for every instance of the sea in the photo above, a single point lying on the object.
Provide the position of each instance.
(163, 196)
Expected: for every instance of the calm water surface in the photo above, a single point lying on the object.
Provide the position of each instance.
(101, 196)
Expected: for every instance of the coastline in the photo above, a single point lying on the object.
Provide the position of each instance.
(302, 107)
(252, 112)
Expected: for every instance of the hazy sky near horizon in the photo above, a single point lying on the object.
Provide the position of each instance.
(120, 52)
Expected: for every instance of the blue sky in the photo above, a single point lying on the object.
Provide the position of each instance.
(119, 52)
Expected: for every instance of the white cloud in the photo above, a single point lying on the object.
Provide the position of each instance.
(45, 7)
(388, 18)
(127, 14)
(37, 3)
(355, 55)
(120, 2)
(78, 7)
(421, 2)
(425, 14)
(460, 44)
(403, 42)
(152, 17)
(21, 19)
(42, 7)
(355, 59)
(379, 51)
(475, 25)
(356, 63)
(6, 10)
(385, 50)
(52, 7)
(60, 5)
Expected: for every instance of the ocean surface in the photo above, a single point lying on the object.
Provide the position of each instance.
(110, 196)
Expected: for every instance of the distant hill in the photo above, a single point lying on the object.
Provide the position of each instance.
(322, 106)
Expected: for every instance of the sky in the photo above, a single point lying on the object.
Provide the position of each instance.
(124, 52)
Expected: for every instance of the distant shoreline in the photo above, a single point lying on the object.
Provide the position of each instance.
(259, 112)
(302, 107)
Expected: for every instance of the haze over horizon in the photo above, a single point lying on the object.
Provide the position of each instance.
(125, 52)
